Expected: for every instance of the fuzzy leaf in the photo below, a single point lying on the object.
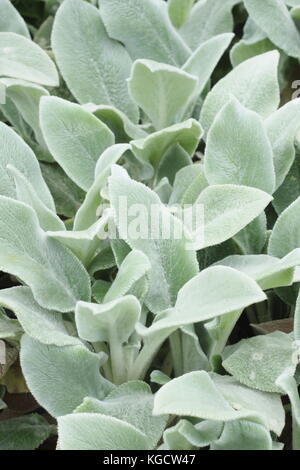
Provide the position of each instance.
(281, 127)
(168, 90)
(61, 377)
(145, 29)
(206, 20)
(238, 150)
(24, 433)
(89, 431)
(11, 20)
(131, 402)
(75, 138)
(55, 275)
(281, 29)
(165, 255)
(267, 356)
(227, 209)
(97, 69)
(253, 82)
(22, 58)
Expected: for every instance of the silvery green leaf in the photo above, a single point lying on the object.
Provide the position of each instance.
(96, 70)
(282, 126)
(266, 356)
(54, 274)
(243, 50)
(133, 268)
(42, 36)
(206, 20)
(285, 235)
(205, 58)
(26, 193)
(281, 30)
(9, 328)
(238, 150)
(91, 431)
(198, 301)
(14, 151)
(145, 29)
(179, 11)
(253, 237)
(26, 97)
(88, 212)
(253, 82)
(163, 189)
(152, 148)
(83, 243)
(189, 182)
(11, 20)
(184, 435)
(297, 320)
(131, 402)
(193, 357)
(267, 405)
(22, 58)
(75, 138)
(61, 377)
(121, 126)
(204, 399)
(39, 323)
(66, 194)
(168, 90)
(243, 435)
(268, 271)
(227, 209)
(101, 322)
(166, 254)
(288, 385)
(24, 432)
(289, 190)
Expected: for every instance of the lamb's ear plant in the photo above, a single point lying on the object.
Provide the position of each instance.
(132, 340)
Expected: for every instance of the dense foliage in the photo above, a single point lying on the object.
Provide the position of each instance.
(124, 342)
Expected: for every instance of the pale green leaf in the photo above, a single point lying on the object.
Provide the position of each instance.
(152, 148)
(131, 402)
(205, 58)
(101, 322)
(179, 11)
(24, 433)
(285, 235)
(243, 435)
(172, 266)
(54, 274)
(206, 20)
(227, 209)
(97, 68)
(258, 362)
(145, 29)
(88, 431)
(238, 150)
(41, 324)
(168, 90)
(273, 17)
(282, 127)
(11, 20)
(75, 138)
(253, 82)
(14, 151)
(61, 377)
(26, 193)
(22, 58)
